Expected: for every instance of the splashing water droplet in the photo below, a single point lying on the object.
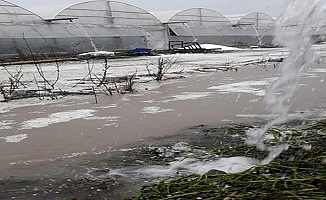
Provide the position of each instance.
(260, 41)
(87, 35)
(295, 29)
(191, 32)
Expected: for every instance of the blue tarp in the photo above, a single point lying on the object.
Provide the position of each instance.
(141, 52)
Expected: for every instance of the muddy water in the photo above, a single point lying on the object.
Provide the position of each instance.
(52, 136)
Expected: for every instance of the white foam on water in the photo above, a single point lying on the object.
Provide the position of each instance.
(56, 118)
(228, 165)
(186, 163)
(15, 138)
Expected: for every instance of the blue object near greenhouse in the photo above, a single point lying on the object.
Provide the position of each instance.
(141, 52)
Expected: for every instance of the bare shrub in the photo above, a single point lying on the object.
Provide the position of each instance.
(162, 66)
(48, 84)
(98, 80)
(130, 83)
(7, 89)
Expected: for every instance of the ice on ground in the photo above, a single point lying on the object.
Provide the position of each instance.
(318, 70)
(109, 118)
(73, 75)
(221, 47)
(107, 106)
(56, 118)
(97, 54)
(8, 106)
(5, 125)
(15, 138)
(155, 110)
(242, 87)
(188, 96)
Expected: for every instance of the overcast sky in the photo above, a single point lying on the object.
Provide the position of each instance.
(49, 8)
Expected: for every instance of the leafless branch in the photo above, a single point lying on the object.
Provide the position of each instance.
(102, 81)
(39, 68)
(17, 77)
(130, 82)
(162, 66)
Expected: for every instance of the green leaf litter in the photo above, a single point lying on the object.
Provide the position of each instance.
(298, 173)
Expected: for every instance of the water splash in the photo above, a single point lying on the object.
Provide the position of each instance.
(192, 33)
(298, 39)
(87, 35)
(260, 41)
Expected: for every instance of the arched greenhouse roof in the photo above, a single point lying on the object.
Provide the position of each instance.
(11, 13)
(109, 13)
(257, 19)
(200, 17)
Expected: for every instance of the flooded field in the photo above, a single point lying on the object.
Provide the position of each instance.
(52, 137)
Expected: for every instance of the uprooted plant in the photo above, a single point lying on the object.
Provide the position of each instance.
(161, 66)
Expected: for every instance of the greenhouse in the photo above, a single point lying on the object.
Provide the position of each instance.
(114, 26)
(16, 23)
(259, 24)
(198, 24)
(208, 26)
(90, 26)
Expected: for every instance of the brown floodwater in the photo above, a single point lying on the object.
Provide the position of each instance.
(59, 133)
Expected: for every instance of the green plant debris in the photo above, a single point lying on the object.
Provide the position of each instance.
(298, 173)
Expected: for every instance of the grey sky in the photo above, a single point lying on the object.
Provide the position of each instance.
(49, 8)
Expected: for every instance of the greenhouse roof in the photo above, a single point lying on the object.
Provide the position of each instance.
(109, 13)
(11, 13)
(200, 17)
(257, 19)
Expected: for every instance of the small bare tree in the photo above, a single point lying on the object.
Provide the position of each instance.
(13, 84)
(3, 92)
(162, 66)
(97, 80)
(101, 80)
(130, 83)
(39, 69)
